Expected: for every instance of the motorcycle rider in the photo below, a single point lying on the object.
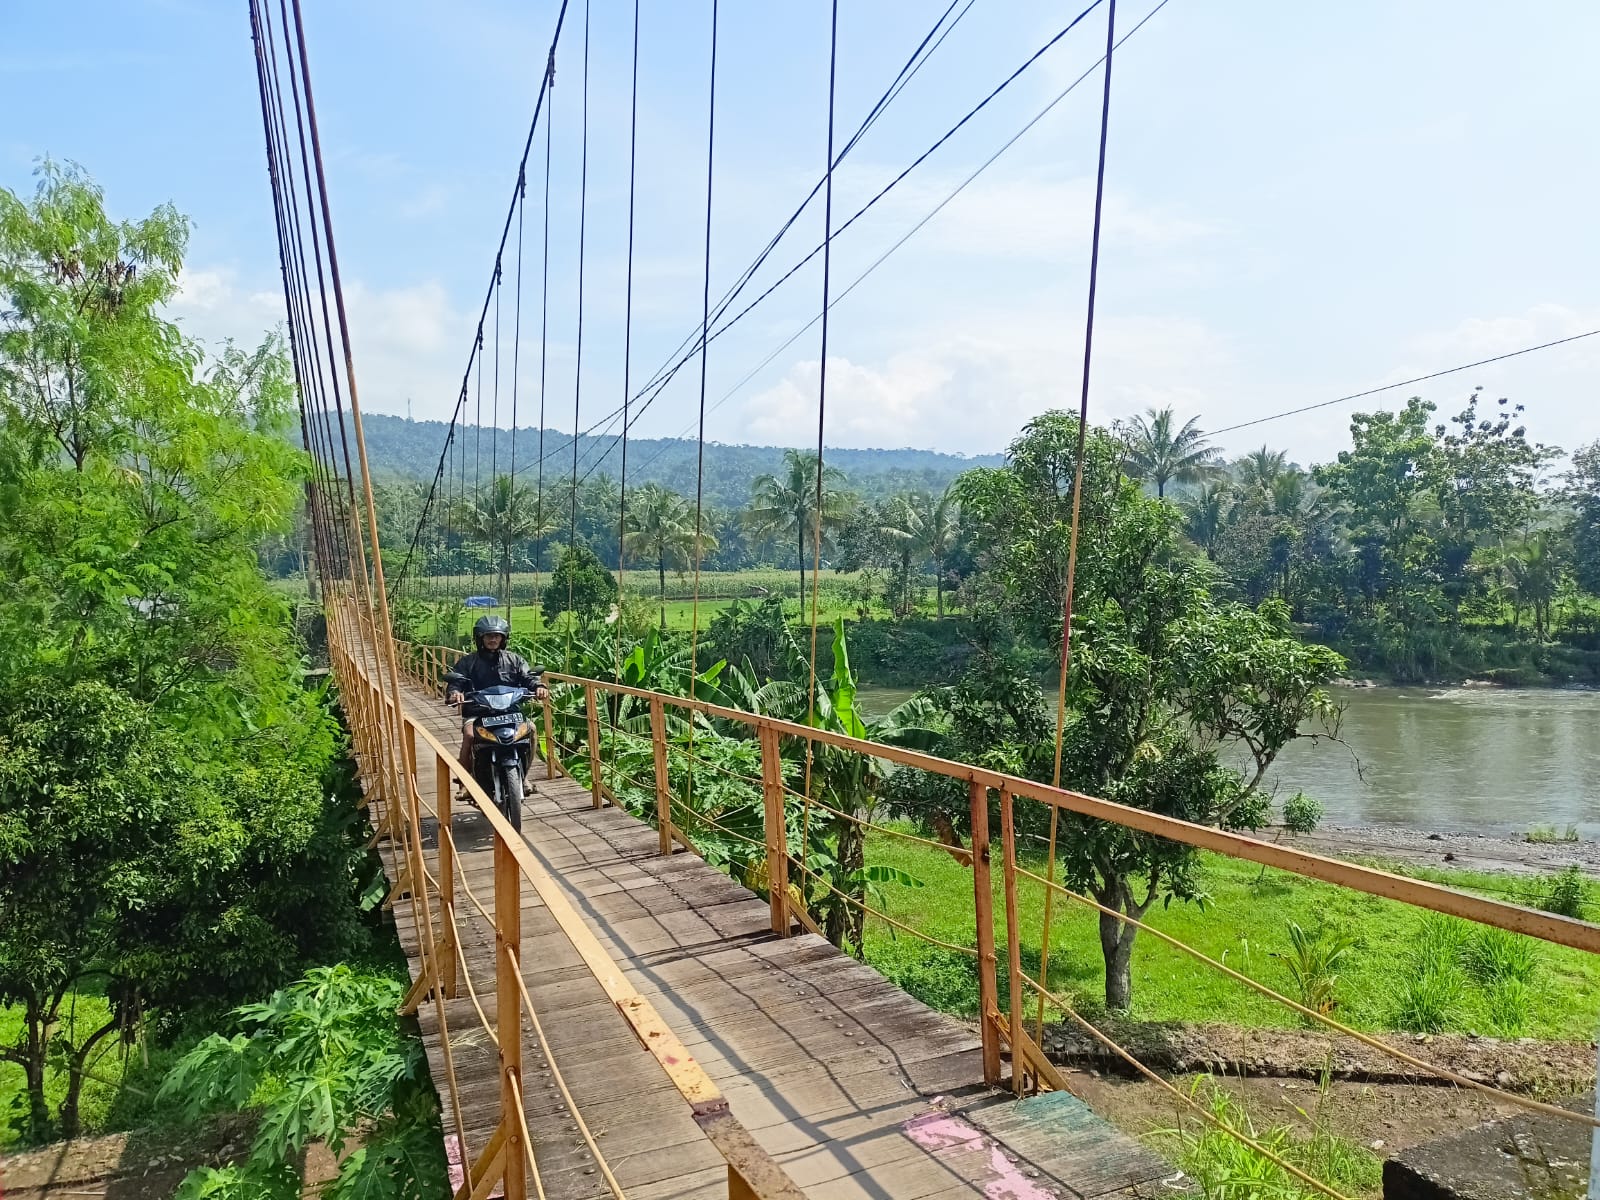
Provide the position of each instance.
(492, 665)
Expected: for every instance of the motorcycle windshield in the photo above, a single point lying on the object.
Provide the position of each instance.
(497, 699)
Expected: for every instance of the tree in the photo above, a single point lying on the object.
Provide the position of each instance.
(1583, 493)
(1205, 515)
(1163, 676)
(661, 526)
(504, 518)
(785, 505)
(1258, 471)
(164, 829)
(918, 528)
(581, 585)
(1158, 454)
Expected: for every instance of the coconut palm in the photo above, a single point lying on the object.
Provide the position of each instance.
(660, 526)
(785, 504)
(922, 527)
(503, 519)
(1158, 454)
(1259, 470)
(1206, 513)
(1533, 578)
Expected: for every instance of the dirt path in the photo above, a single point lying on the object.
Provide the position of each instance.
(142, 1165)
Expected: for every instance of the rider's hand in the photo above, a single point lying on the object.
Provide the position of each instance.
(452, 698)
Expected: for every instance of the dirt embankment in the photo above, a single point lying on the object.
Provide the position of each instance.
(1522, 1065)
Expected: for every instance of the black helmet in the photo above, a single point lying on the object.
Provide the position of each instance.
(490, 624)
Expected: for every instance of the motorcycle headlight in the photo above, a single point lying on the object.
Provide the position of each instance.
(486, 735)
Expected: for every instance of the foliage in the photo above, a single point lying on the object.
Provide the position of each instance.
(1160, 454)
(504, 517)
(1566, 893)
(581, 586)
(324, 1059)
(1227, 1169)
(752, 636)
(1244, 914)
(1583, 494)
(785, 505)
(1313, 962)
(163, 820)
(1162, 676)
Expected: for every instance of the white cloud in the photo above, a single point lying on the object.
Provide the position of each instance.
(972, 390)
(408, 342)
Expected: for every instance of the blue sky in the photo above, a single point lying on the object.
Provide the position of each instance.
(1303, 201)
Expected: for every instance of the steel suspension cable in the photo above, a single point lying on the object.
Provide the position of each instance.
(505, 232)
(627, 345)
(577, 371)
(688, 347)
(919, 226)
(822, 419)
(1077, 497)
(705, 324)
(544, 337)
(516, 349)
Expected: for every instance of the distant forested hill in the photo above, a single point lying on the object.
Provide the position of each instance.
(410, 449)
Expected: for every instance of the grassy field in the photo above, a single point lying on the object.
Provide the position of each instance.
(120, 1087)
(1244, 924)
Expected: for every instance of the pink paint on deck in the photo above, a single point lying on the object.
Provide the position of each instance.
(942, 1135)
(458, 1175)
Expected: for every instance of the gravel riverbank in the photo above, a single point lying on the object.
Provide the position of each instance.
(1449, 851)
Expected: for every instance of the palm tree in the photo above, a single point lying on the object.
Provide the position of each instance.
(503, 518)
(785, 505)
(923, 528)
(1159, 455)
(1205, 514)
(941, 532)
(1533, 578)
(1259, 470)
(661, 526)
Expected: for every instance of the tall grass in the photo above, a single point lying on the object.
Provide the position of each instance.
(1225, 1168)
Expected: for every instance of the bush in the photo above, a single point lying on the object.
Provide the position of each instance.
(1494, 956)
(1566, 894)
(1429, 1001)
(1313, 964)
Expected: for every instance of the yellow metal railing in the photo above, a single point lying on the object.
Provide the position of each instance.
(395, 777)
(1005, 1034)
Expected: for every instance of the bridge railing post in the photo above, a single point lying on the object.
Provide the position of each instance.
(443, 797)
(592, 715)
(508, 1002)
(658, 744)
(549, 737)
(1014, 1036)
(983, 907)
(777, 830)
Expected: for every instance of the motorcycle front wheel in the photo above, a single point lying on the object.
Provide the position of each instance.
(508, 792)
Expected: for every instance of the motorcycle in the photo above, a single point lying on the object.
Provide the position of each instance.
(502, 742)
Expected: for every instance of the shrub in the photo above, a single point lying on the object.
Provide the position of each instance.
(1493, 956)
(1507, 1005)
(1566, 894)
(1313, 964)
(1429, 1001)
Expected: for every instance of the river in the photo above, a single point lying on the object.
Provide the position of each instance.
(1467, 760)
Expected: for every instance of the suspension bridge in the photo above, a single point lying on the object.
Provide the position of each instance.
(606, 1012)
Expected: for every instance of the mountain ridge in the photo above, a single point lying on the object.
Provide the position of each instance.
(400, 448)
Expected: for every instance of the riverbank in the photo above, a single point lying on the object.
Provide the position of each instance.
(1413, 848)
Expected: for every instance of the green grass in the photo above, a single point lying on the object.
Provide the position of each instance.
(119, 1093)
(1245, 925)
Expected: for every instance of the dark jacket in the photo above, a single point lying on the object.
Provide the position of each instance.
(485, 669)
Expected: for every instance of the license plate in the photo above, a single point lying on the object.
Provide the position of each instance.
(504, 719)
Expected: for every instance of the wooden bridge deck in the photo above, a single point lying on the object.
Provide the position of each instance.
(859, 1090)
